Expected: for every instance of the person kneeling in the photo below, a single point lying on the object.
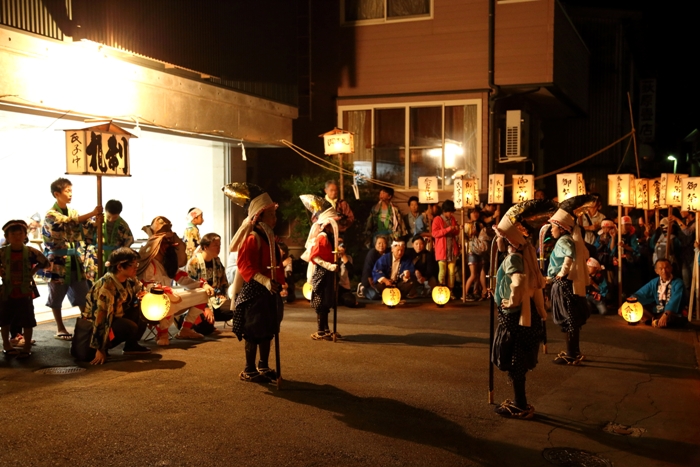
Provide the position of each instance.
(662, 298)
(394, 270)
(114, 309)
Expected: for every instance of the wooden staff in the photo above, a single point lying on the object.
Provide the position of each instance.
(492, 306)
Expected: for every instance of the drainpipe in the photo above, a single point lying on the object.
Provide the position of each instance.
(493, 93)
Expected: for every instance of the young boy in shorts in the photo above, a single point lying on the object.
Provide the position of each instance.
(66, 250)
(18, 263)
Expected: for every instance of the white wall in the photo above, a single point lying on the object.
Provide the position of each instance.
(169, 175)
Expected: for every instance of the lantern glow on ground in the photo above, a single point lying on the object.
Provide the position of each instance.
(307, 289)
(391, 296)
(441, 295)
(155, 305)
(632, 311)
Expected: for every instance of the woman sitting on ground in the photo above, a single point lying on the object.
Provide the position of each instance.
(113, 307)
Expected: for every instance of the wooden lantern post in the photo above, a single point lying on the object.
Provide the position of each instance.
(674, 195)
(621, 193)
(691, 202)
(338, 142)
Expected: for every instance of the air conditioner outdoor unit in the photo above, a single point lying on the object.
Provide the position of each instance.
(516, 137)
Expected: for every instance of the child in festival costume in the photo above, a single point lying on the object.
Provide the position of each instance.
(321, 245)
(18, 263)
(191, 236)
(569, 275)
(259, 284)
(520, 302)
(159, 261)
(115, 231)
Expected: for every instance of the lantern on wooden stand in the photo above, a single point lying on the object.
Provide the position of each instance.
(470, 198)
(155, 305)
(673, 198)
(621, 193)
(642, 199)
(655, 198)
(391, 296)
(523, 188)
(632, 311)
(427, 190)
(570, 185)
(441, 295)
(338, 142)
(691, 202)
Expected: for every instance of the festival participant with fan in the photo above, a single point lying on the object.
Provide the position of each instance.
(259, 285)
(521, 311)
(569, 276)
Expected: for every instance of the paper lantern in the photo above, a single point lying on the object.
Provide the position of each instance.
(496, 195)
(642, 187)
(98, 150)
(674, 189)
(691, 194)
(655, 198)
(155, 305)
(622, 190)
(338, 141)
(441, 295)
(391, 296)
(458, 193)
(427, 190)
(523, 188)
(470, 190)
(632, 311)
(306, 290)
(570, 185)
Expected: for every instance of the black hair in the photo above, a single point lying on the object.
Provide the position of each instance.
(417, 237)
(388, 190)
(413, 198)
(191, 209)
(114, 207)
(120, 257)
(663, 260)
(448, 206)
(59, 185)
(329, 183)
(208, 238)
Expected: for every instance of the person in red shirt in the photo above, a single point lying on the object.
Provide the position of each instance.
(258, 305)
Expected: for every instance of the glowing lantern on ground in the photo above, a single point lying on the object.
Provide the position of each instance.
(496, 195)
(632, 311)
(570, 185)
(391, 296)
(441, 295)
(427, 190)
(622, 190)
(306, 290)
(674, 189)
(155, 305)
(523, 188)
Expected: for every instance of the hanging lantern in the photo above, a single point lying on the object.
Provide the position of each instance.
(523, 188)
(427, 190)
(642, 187)
(570, 185)
(470, 190)
(98, 150)
(441, 295)
(155, 305)
(306, 290)
(674, 189)
(622, 190)
(496, 195)
(691, 194)
(655, 198)
(338, 141)
(632, 311)
(458, 193)
(391, 296)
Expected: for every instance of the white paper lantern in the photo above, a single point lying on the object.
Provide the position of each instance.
(642, 187)
(496, 183)
(338, 141)
(523, 188)
(655, 190)
(622, 190)
(458, 193)
(155, 305)
(570, 185)
(470, 190)
(691, 194)
(427, 190)
(674, 189)
(98, 150)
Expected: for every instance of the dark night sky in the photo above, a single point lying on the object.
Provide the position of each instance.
(668, 50)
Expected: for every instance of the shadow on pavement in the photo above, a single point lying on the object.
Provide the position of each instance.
(664, 450)
(419, 339)
(395, 419)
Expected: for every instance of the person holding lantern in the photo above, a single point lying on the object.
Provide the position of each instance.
(519, 285)
(569, 276)
(113, 307)
(159, 263)
(320, 247)
(260, 282)
(393, 270)
(662, 298)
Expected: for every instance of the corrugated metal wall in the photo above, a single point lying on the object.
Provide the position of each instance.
(32, 16)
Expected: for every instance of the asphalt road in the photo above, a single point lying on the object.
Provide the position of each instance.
(406, 386)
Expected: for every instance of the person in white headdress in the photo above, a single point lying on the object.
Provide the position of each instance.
(521, 314)
(569, 276)
(321, 246)
(259, 286)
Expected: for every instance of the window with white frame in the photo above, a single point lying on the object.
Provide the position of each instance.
(382, 11)
(399, 143)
